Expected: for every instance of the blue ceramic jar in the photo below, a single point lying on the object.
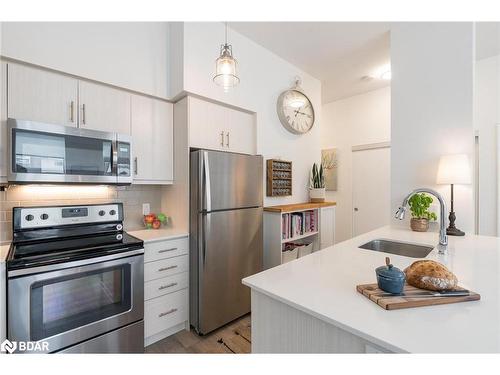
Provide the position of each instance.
(389, 278)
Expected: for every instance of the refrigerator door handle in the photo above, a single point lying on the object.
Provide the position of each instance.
(206, 170)
(202, 238)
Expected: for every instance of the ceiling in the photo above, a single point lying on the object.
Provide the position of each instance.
(341, 54)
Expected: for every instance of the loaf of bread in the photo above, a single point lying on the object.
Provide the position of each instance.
(430, 275)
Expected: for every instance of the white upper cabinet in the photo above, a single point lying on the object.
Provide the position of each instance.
(104, 108)
(216, 127)
(152, 136)
(43, 96)
(3, 122)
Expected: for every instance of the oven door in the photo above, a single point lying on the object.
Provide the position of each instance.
(53, 153)
(67, 306)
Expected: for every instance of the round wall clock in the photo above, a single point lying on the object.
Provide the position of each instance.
(295, 110)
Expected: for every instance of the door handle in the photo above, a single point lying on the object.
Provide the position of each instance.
(227, 139)
(83, 114)
(72, 111)
(206, 169)
(166, 313)
(222, 138)
(167, 268)
(167, 286)
(165, 250)
(136, 168)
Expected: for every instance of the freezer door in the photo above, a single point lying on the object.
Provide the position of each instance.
(228, 180)
(231, 250)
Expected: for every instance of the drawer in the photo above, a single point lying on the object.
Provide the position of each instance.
(165, 249)
(165, 285)
(165, 312)
(165, 267)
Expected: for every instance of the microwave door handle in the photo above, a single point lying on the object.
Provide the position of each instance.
(114, 158)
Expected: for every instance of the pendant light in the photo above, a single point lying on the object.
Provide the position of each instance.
(225, 67)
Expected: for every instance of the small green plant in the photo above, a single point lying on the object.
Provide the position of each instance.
(419, 207)
(317, 177)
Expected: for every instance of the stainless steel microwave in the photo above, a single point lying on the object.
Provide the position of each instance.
(46, 153)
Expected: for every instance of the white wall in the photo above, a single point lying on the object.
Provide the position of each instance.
(432, 108)
(263, 77)
(358, 120)
(486, 104)
(132, 55)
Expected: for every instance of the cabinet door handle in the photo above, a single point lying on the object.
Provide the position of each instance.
(167, 286)
(166, 313)
(167, 268)
(72, 111)
(165, 250)
(227, 139)
(136, 168)
(83, 114)
(222, 139)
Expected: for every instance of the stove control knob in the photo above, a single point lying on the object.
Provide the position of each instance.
(119, 236)
(29, 217)
(119, 227)
(102, 213)
(112, 212)
(44, 216)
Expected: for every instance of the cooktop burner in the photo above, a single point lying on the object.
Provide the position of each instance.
(47, 235)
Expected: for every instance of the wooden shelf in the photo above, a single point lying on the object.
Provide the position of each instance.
(296, 238)
(298, 207)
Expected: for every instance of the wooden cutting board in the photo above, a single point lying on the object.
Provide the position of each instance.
(373, 293)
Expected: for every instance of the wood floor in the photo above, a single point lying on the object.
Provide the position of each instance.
(232, 338)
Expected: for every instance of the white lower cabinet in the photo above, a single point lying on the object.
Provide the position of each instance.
(327, 226)
(166, 288)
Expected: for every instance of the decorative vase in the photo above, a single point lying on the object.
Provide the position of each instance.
(419, 225)
(317, 195)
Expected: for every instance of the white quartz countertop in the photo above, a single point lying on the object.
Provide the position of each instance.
(323, 284)
(152, 235)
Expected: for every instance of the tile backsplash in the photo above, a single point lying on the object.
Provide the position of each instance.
(132, 196)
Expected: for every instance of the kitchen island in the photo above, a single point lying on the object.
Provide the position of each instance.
(311, 305)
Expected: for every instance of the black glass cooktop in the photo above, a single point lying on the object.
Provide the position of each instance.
(40, 252)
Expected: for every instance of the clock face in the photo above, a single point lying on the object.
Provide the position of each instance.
(295, 111)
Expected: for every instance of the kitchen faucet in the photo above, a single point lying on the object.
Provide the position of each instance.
(443, 238)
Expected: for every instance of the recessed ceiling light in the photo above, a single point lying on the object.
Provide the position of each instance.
(382, 72)
(386, 75)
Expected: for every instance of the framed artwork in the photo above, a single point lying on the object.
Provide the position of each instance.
(329, 161)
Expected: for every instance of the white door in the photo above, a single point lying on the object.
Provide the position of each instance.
(104, 108)
(371, 189)
(206, 125)
(152, 140)
(240, 132)
(38, 95)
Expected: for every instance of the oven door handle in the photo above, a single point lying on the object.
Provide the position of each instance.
(76, 263)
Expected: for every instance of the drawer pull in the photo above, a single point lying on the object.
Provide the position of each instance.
(166, 250)
(167, 268)
(167, 313)
(167, 286)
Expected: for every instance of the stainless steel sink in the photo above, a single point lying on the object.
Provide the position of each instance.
(398, 248)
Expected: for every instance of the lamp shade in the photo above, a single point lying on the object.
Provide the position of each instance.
(454, 169)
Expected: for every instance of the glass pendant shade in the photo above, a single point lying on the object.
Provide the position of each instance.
(226, 69)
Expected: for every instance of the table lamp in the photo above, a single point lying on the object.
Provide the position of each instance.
(452, 170)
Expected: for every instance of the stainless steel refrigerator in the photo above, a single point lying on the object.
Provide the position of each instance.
(226, 243)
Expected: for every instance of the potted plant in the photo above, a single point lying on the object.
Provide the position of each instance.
(420, 214)
(317, 184)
